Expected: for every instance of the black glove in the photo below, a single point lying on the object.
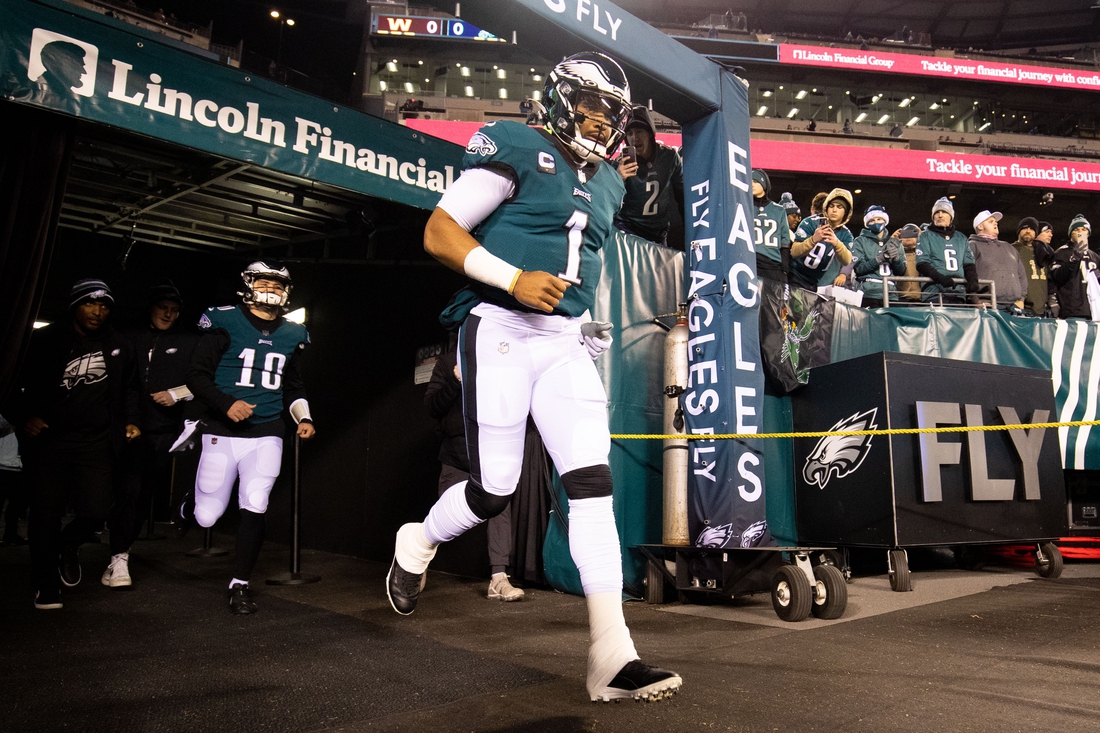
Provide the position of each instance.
(1015, 310)
(881, 255)
(1048, 313)
(892, 249)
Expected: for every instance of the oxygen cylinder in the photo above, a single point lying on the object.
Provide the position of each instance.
(675, 529)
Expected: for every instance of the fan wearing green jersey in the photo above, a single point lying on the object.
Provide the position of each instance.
(875, 256)
(943, 254)
(822, 243)
(245, 371)
(525, 222)
(773, 236)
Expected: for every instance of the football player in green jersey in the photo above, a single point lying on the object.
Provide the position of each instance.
(943, 253)
(773, 236)
(525, 222)
(244, 371)
(876, 255)
(821, 243)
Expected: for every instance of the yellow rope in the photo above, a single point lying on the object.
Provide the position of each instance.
(823, 433)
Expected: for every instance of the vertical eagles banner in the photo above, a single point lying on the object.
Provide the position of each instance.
(725, 385)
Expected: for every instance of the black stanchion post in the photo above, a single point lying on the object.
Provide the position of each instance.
(207, 549)
(295, 576)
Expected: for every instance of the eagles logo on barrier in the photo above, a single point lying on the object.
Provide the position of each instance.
(840, 455)
(481, 144)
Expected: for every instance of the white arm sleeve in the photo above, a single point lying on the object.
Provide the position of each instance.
(475, 195)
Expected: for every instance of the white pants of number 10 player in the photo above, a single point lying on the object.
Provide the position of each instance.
(513, 364)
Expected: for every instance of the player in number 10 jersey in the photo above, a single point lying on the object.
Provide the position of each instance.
(244, 371)
(525, 222)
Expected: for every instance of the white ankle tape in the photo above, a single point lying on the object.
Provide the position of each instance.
(414, 549)
(611, 645)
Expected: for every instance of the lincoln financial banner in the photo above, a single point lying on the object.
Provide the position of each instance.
(725, 387)
(64, 58)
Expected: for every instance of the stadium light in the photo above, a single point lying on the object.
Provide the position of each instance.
(792, 113)
(912, 122)
(882, 119)
(763, 109)
(296, 316)
(861, 117)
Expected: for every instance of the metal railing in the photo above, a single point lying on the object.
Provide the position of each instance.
(986, 299)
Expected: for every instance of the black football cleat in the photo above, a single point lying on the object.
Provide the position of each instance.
(240, 600)
(48, 599)
(639, 681)
(403, 588)
(68, 566)
(184, 517)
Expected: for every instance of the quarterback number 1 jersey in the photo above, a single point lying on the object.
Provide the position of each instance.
(251, 369)
(556, 221)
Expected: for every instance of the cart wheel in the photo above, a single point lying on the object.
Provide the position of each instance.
(970, 557)
(654, 583)
(830, 592)
(1048, 560)
(836, 559)
(791, 593)
(899, 575)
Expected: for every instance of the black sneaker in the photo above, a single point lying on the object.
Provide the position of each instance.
(240, 600)
(403, 588)
(639, 681)
(47, 599)
(69, 566)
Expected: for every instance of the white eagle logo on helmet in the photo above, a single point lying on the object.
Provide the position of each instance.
(840, 455)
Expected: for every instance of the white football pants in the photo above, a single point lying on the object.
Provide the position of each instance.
(256, 460)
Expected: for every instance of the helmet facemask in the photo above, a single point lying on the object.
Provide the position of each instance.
(588, 79)
(266, 271)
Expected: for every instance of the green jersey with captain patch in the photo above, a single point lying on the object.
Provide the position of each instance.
(251, 369)
(556, 220)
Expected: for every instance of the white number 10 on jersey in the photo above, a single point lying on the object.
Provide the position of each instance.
(271, 377)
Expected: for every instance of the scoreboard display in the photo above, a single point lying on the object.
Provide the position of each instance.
(418, 25)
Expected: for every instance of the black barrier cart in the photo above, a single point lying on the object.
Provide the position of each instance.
(801, 580)
(960, 489)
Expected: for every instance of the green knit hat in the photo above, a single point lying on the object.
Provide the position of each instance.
(1079, 221)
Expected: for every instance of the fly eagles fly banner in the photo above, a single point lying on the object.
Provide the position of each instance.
(724, 394)
(71, 60)
(725, 385)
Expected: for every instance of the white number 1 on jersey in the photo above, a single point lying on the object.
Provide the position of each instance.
(576, 226)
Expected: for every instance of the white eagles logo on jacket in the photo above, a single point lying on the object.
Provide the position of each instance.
(90, 368)
(481, 144)
(840, 455)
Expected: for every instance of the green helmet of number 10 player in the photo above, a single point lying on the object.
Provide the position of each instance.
(270, 270)
(594, 75)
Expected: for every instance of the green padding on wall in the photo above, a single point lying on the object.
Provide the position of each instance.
(641, 280)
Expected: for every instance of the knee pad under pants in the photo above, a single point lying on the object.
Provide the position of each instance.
(255, 460)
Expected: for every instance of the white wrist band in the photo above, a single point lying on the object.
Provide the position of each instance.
(484, 266)
(181, 393)
(299, 410)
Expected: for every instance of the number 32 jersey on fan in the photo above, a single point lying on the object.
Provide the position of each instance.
(556, 220)
(253, 365)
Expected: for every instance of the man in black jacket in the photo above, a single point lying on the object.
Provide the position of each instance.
(79, 407)
(1075, 272)
(163, 352)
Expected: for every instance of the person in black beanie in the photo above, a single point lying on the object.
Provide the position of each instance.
(78, 407)
(163, 351)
